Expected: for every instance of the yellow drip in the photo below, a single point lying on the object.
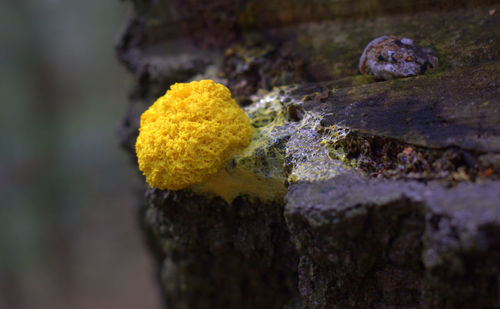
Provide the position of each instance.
(230, 184)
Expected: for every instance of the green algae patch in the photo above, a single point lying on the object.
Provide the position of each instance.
(461, 38)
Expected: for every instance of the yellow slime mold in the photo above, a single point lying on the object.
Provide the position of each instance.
(189, 134)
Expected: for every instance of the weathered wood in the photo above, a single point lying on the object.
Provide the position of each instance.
(376, 243)
(460, 108)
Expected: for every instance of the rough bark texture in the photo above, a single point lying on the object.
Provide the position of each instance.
(408, 214)
(372, 242)
(215, 256)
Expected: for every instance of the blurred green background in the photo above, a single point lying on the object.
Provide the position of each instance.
(68, 235)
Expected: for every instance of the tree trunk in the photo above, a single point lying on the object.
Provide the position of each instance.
(392, 187)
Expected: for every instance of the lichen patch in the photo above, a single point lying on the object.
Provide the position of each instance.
(285, 148)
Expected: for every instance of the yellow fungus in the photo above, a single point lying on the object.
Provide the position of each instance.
(189, 134)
